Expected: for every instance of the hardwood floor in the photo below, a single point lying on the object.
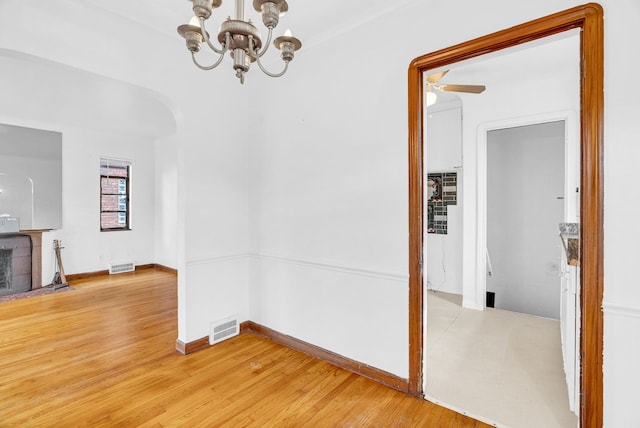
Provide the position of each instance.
(104, 355)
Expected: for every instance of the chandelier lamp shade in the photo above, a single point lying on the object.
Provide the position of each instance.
(240, 37)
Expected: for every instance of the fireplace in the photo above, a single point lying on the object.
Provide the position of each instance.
(15, 264)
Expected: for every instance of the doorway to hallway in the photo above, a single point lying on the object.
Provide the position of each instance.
(589, 20)
(506, 365)
(525, 205)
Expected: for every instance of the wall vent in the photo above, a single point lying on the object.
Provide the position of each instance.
(122, 267)
(223, 329)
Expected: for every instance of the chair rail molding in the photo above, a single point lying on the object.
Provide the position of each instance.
(331, 266)
(610, 308)
(216, 259)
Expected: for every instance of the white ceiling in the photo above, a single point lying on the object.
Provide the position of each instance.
(311, 21)
(31, 85)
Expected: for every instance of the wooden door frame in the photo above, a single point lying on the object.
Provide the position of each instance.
(590, 19)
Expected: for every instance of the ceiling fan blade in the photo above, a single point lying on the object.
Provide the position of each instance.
(472, 89)
(435, 78)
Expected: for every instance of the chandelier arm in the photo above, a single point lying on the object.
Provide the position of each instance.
(206, 67)
(257, 57)
(205, 35)
(266, 45)
(265, 71)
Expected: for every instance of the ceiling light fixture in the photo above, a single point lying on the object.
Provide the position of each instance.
(240, 37)
(432, 97)
(433, 82)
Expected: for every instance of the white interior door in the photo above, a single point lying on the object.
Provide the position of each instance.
(570, 275)
(570, 330)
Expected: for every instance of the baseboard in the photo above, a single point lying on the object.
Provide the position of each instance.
(359, 368)
(84, 275)
(166, 269)
(146, 266)
(191, 347)
(203, 342)
(377, 375)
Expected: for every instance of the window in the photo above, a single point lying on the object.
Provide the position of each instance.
(115, 188)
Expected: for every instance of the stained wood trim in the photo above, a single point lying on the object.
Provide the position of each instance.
(203, 343)
(416, 232)
(377, 375)
(589, 18)
(191, 347)
(359, 368)
(592, 218)
(246, 327)
(167, 269)
(84, 275)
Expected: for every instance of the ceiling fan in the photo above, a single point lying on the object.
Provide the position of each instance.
(432, 83)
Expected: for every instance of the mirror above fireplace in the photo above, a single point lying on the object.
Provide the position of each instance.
(31, 177)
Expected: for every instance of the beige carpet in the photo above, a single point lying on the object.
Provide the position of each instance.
(502, 367)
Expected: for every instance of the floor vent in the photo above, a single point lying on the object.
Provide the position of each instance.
(121, 267)
(223, 329)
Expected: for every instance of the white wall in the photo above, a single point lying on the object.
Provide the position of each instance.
(330, 210)
(443, 253)
(86, 249)
(525, 190)
(93, 249)
(621, 208)
(214, 200)
(443, 136)
(166, 201)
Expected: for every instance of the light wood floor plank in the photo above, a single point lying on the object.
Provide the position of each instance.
(103, 355)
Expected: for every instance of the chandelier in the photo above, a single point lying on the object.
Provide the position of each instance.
(240, 37)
